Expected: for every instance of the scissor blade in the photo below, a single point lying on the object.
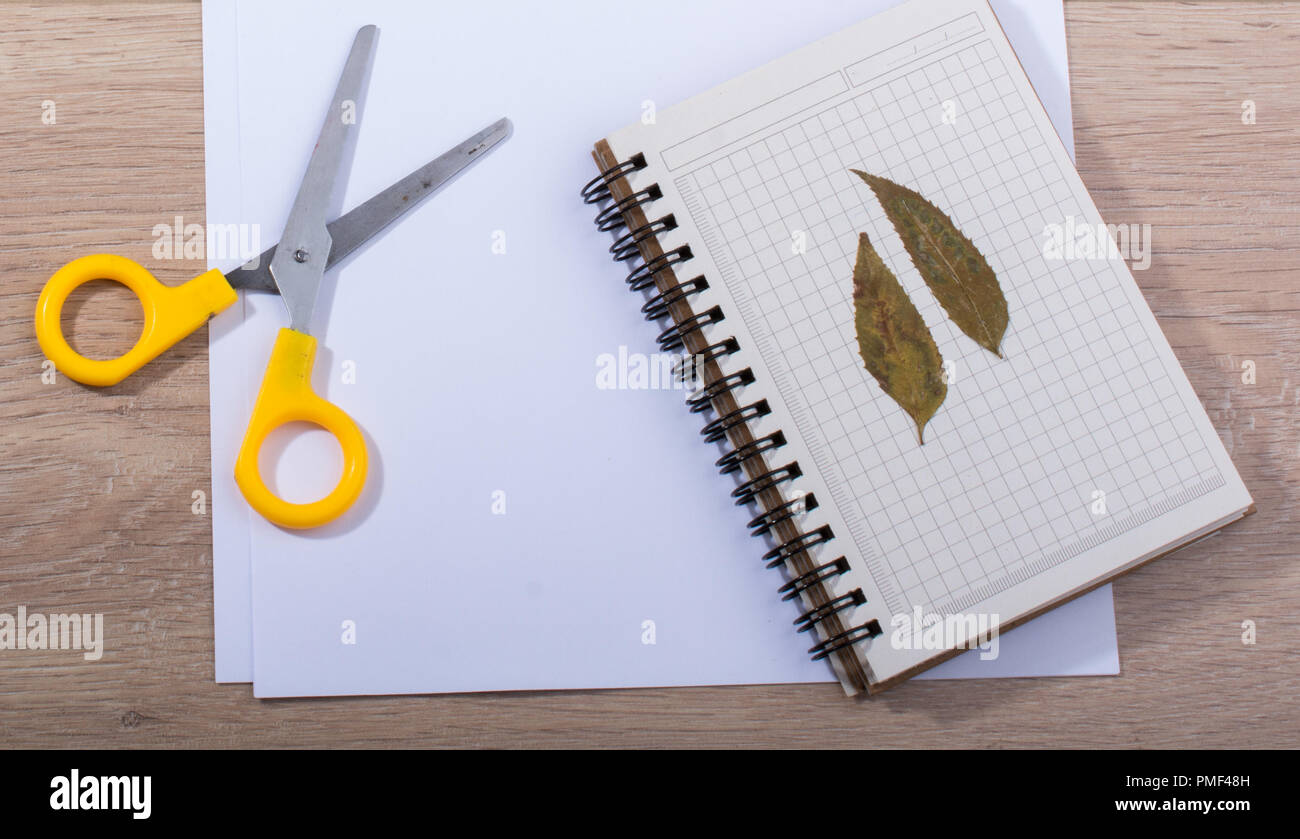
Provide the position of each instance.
(301, 257)
(352, 229)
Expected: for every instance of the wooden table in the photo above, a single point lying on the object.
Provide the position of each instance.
(96, 488)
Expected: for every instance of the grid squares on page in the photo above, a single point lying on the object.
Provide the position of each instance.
(1005, 484)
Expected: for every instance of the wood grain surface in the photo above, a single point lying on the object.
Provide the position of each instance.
(96, 485)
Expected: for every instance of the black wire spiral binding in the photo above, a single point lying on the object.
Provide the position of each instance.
(804, 542)
(751, 489)
(768, 519)
(732, 460)
(718, 428)
(674, 337)
(847, 638)
(822, 573)
(702, 401)
(713, 352)
(597, 189)
(812, 617)
(628, 245)
(613, 217)
(641, 278)
(658, 306)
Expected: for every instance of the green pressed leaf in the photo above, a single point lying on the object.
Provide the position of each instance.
(894, 341)
(954, 269)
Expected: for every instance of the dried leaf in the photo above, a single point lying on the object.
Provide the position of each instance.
(894, 341)
(954, 269)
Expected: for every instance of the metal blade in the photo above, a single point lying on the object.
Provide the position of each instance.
(300, 259)
(352, 229)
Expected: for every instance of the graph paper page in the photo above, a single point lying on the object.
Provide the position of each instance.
(1084, 450)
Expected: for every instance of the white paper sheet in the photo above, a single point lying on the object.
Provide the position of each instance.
(475, 371)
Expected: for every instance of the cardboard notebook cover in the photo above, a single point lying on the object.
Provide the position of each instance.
(849, 664)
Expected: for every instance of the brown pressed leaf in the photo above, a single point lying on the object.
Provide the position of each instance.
(954, 269)
(894, 341)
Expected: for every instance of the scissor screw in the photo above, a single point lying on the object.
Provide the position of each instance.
(300, 255)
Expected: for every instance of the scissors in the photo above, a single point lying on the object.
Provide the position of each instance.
(294, 268)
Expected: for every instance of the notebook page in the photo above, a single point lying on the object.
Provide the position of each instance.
(1081, 452)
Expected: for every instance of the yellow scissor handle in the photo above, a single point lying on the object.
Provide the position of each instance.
(170, 313)
(287, 396)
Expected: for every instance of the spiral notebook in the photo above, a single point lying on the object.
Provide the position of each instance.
(1077, 455)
